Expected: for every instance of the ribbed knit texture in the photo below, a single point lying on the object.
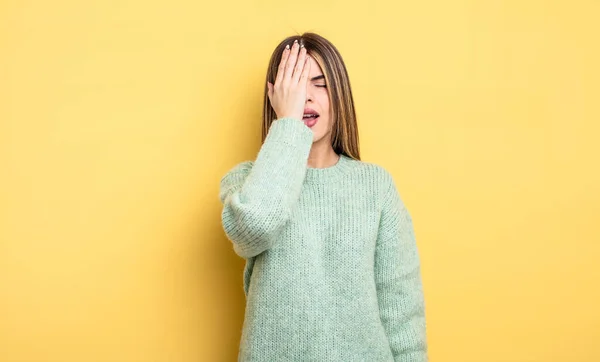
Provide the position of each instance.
(332, 269)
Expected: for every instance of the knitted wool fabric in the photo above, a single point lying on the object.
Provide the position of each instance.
(332, 269)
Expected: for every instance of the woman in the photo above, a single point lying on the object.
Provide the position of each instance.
(332, 269)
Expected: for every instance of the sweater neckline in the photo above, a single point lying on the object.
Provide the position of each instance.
(320, 174)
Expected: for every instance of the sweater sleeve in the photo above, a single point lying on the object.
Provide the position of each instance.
(398, 280)
(258, 196)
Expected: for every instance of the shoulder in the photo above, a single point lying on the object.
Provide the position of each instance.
(375, 173)
(242, 168)
(234, 178)
(381, 180)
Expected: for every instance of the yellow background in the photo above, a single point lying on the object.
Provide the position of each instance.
(118, 119)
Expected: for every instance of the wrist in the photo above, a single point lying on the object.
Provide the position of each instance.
(295, 116)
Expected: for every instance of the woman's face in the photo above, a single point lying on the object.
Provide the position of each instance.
(317, 100)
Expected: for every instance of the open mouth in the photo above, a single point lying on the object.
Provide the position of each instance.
(310, 118)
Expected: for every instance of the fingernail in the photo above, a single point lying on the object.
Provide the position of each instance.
(287, 46)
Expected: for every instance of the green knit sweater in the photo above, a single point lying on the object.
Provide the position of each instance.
(332, 269)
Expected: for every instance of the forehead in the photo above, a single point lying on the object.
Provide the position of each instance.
(315, 69)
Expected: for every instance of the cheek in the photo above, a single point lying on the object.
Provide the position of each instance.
(325, 125)
(323, 100)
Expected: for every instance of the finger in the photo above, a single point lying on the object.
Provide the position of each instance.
(282, 63)
(299, 65)
(305, 71)
(291, 63)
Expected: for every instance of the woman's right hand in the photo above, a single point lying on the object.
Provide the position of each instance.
(288, 94)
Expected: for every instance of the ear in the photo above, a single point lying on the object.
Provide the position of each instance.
(270, 89)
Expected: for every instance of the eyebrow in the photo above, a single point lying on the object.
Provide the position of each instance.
(317, 77)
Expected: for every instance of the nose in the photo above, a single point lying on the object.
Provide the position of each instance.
(309, 96)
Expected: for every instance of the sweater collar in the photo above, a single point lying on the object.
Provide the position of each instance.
(317, 175)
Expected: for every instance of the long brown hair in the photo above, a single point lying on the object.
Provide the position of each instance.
(344, 137)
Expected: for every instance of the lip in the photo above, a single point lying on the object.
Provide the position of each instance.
(310, 122)
(310, 110)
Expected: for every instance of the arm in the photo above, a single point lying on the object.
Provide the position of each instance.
(258, 197)
(398, 280)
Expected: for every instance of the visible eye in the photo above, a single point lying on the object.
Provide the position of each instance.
(321, 85)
